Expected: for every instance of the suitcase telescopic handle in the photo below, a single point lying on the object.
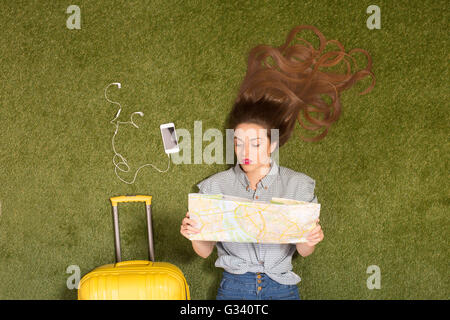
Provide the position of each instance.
(137, 198)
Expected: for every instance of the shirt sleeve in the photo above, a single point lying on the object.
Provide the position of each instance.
(311, 186)
(305, 189)
(203, 186)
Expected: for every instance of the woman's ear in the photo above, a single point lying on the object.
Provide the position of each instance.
(273, 146)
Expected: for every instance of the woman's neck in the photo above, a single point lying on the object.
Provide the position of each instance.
(256, 175)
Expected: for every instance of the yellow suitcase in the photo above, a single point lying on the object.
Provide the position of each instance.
(136, 279)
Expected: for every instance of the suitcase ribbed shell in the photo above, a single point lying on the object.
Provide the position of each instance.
(134, 280)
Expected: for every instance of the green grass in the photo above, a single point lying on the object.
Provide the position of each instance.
(381, 173)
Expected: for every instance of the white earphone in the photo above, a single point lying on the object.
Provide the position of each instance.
(123, 161)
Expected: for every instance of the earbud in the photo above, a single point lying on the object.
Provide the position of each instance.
(140, 113)
(117, 84)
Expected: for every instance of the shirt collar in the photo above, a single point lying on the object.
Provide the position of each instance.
(265, 181)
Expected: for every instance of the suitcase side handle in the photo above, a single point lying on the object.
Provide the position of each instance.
(148, 207)
(137, 198)
(133, 262)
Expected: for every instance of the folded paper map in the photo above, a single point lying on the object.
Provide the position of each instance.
(226, 218)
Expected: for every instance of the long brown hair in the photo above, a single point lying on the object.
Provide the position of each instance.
(273, 95)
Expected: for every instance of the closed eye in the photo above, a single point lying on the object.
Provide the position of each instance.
(240, 145)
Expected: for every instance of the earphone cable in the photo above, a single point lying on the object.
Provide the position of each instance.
(123, 161)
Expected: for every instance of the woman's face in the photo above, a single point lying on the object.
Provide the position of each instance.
(252, 146)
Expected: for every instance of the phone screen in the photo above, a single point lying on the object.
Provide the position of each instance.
(169, 138)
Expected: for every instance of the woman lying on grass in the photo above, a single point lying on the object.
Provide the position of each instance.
(271, 97)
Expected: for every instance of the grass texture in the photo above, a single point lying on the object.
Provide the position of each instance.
(381, 173)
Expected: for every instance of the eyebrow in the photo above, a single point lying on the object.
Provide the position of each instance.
(250, 139)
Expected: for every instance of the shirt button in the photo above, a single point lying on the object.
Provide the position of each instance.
(259, 281)
(256, 197)
(265, 188)
(259, 288)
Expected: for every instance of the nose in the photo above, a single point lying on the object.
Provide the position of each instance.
(249, 153)
(244, 152)
(247, 150)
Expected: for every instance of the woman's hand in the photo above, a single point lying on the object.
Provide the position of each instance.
(315, 236)
(202, 248)
(187, 226)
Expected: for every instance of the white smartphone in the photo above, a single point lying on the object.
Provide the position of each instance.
(169, 137)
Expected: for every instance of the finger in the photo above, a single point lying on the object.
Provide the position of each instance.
(192, 229)
(315, 239)
(183, 232)
(314, 232)
(315, 235)
(190, 222)
(186, 233)
(311, 236)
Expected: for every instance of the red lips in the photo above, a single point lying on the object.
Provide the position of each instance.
(246, 161)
